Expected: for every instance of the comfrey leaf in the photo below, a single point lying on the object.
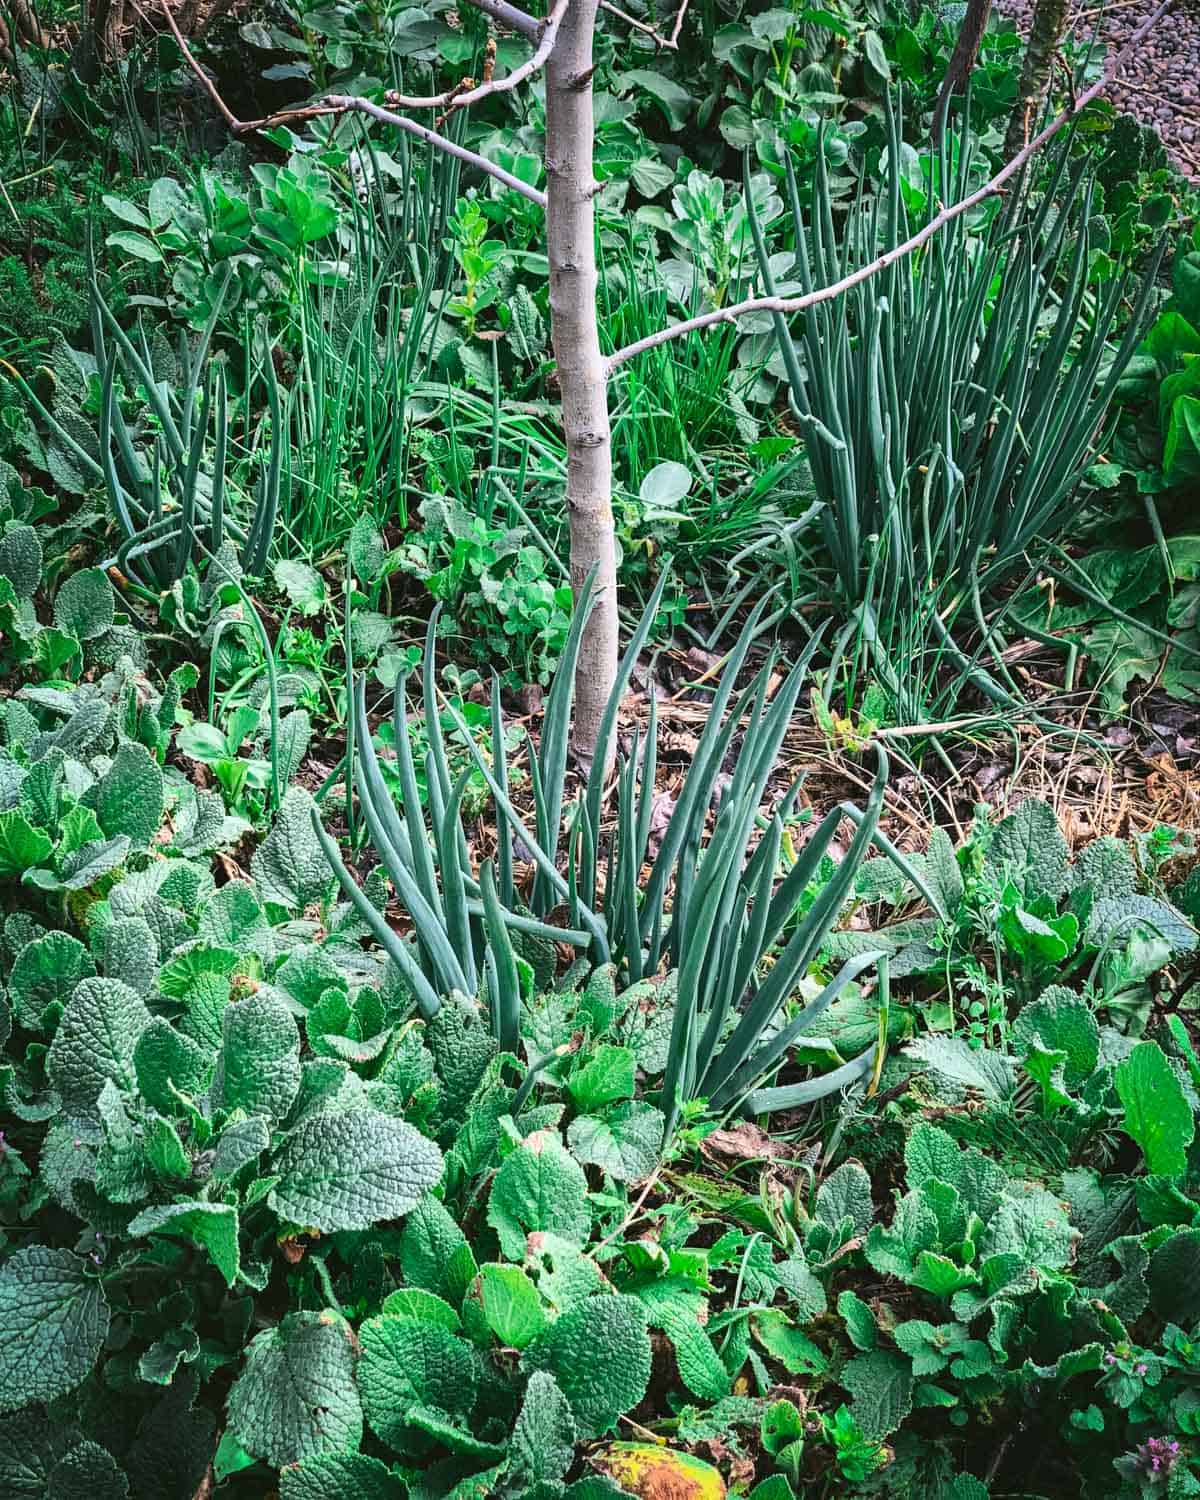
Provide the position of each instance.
(211, 1225)
(289, 866)
(1028, 847)
(624, 1142)
(87, 1472)
(404, 1365)
(351, 1476)
(1157, 1113)
(259, 1068)
(543, 1440)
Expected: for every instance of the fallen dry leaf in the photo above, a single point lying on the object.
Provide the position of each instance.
(655, 1473)
(742, 1142)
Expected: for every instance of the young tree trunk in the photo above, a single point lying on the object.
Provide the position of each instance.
(1045, 36)
(582, 377)
(962, 61)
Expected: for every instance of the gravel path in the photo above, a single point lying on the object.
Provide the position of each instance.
(1161, 84)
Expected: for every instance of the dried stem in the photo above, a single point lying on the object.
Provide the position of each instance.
(939, 221)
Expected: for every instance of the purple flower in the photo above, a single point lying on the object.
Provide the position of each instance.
(1156, 1458)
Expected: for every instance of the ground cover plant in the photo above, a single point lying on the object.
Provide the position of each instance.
(397, 1102)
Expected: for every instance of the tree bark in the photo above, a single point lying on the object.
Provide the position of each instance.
(582, 375)
(1045, 36)
(962, 61)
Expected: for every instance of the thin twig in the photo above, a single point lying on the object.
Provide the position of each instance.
(340, 104)
(671, 42)
(511, 16)
(864, 273)
(458, 97)
(634, 1213)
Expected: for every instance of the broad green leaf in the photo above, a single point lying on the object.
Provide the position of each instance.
(21, 845)
(259, 1068)
(86, 1472)
(420, 1306)
(665, 486)
(84, 866)
(365, 550)
(95, 1042)
(129, 799)
(543, 1440)
(241, 1142)
(296, 1397)
(234, 918)
(83, 606)
(350, 1171)
(859, 1321)
(599, 1353)
(538, 1188)
(403, 1365)
(303, 585)
(121, 208)
(289, 867)
(1028, 847)
(165, 1060)
(135, 244)
(511, 1305)
(1157, 1114)
(431, 1246)
(213, 1226)
(625, 1142)
(351, 1476)
(21, 560)
(846, 1194)
(931, 1152)
(672, 98)
(677, 1311)
(1175, 1278)
(53, 1322)
(45, 974)
(880, 1387)
(608, 1075)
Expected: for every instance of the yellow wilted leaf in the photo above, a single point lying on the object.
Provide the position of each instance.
(656, 1473)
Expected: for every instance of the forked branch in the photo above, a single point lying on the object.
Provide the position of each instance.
(939, 221)
(459, 98)
(669, 39)
(341, 104)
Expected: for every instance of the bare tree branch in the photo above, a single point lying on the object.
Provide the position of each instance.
(671, 41)
(864, 273)
(348, 103)
(458, 98)
(340, 104)
(510, 16)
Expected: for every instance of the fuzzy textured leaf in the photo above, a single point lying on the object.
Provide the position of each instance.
(349, 1171)
(599, 1354)
(53, 1322)
(296, 1397)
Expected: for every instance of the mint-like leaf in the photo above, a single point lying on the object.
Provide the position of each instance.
(349, 1171)
(95, 1042)
(296, 1397)
(53, 1323)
